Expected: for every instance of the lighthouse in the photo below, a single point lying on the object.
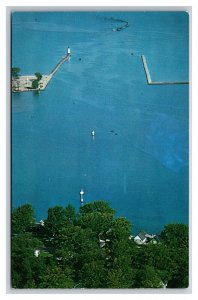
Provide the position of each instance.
(68, 51)
(81, 196)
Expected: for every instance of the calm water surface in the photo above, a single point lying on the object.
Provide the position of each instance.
(138, 161)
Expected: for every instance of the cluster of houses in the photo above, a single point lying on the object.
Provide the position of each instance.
(143, 238)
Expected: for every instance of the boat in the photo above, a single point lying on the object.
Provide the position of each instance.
(81, 196)
(82, 192)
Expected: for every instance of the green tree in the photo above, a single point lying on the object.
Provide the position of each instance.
(121, 273)
(175, 235)
(38, 76)
(58, 218)
(71, 215)
(121, 229)
(26, 267)
(35, 84)
(76, 246)
(97, 206)
(148, 277)
(55, 277)
(93, 274)
(98, 216)
(175, 238)
(158, 257)
(22, 219)
(115, 233)
(120, 278)
(15, 72)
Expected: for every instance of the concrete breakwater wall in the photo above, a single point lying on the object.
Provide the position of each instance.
(64, 59)
(148, 75)
(24, 83)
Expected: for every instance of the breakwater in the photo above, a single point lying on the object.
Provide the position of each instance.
(24, 83)
(64, 59)
(148, 75)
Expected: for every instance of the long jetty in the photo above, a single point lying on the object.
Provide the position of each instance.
(24, 83)
(61, 62)
(148, 75)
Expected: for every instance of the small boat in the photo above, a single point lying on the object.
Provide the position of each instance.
(81, 196)
(93, 133)
(82, 192)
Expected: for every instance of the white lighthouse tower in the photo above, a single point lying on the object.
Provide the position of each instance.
(81, 196)
(68, 51)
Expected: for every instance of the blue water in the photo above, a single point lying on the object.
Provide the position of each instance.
(138, 161)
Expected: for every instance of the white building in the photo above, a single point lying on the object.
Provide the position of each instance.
(142, 238)
(37, 252)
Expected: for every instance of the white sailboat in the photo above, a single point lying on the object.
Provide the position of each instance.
(81, 196)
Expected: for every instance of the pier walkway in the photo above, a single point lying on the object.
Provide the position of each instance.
(64, 59)
(24, 83)
(148, 75)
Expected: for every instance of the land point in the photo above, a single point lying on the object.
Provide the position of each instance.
(24, 83)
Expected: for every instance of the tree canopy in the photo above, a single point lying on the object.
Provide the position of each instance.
(38, 76)
(93, 248)
(22, 219)
(35, 84)
(15, 72)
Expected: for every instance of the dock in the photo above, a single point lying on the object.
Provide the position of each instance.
(148, 75)
(24, 83)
